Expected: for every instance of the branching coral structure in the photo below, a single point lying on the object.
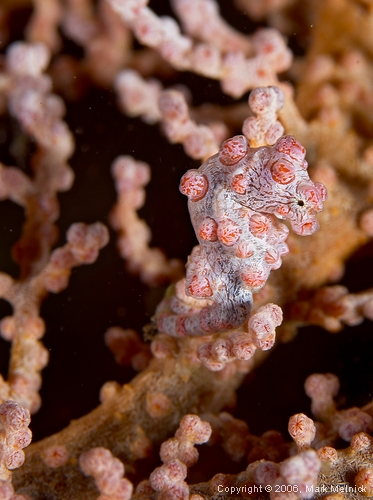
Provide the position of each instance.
(258, 114)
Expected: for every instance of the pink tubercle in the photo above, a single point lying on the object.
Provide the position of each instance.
(233, 150)
(208, 229)
(199, 286)
(228, 232)
(194, 185)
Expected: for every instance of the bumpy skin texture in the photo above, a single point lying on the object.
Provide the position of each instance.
(235, 199)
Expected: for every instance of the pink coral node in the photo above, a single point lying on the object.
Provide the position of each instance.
(321, 385)
(14, 459)
(168, 475)
(262, 325)
(327, 454)
(181, 449)
(364, 481)
(267, 472)
(14, 416)
(94, 461)
(242, 345)
(20, 439)
(263, 99)
(354, 420)
(55, 456)
(86, 241)
(302, 429)
(361, 442)
(194, 429)
(302, 470)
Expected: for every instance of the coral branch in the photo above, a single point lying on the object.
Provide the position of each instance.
(131, 176)
(15, 435)
(236, 72)
(125, 429)
(25, 327)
